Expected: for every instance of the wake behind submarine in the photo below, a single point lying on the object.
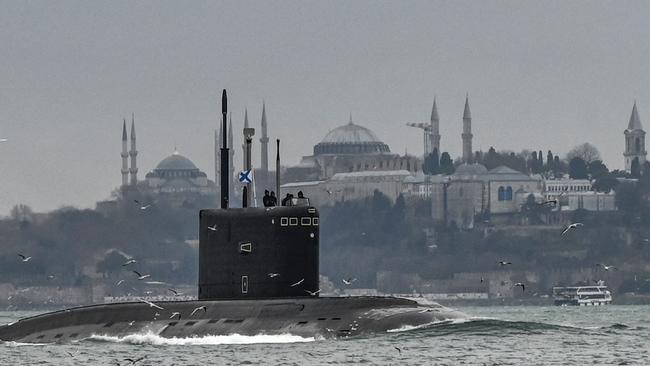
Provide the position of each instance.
(238, 249)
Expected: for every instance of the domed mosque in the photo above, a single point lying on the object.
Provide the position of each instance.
(176, 179)
(349, 148)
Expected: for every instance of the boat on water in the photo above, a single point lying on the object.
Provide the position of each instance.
(258, 274)
(582, 295)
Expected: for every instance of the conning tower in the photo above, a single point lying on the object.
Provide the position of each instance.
(257, 252)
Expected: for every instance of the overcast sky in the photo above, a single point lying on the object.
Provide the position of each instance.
(539, 75)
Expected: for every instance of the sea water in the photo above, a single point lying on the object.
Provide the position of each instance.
(525, 335)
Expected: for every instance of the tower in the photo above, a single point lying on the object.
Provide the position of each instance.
(435, 128)
(217, 154)
(246, 125)
(133, 153)
(467, 133)
(264, 140)
(125, 157)
(634, 142)
(231, 165)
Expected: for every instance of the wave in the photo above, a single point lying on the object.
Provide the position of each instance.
(489, 326)
(437, 323)
(156, 340)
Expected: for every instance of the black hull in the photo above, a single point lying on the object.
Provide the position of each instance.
(326, 317)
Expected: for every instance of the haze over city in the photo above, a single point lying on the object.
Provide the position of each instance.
(539, 76)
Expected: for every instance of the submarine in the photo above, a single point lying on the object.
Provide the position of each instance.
(258, 274)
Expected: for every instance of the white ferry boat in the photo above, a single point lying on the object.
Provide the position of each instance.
(582, 295)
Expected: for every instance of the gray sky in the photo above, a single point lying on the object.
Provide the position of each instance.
(539, 75)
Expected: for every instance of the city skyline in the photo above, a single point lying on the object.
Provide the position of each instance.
(539, 76)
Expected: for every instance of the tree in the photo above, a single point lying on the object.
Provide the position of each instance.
(446, 164)
(587, 152)
(578, 168)
(549, 161)
(21, 213)
(431, 163)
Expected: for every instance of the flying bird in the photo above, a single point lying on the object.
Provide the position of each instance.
(273, 275)
(398, 350)
(482, 279)
(348, 281)
(24, 258)
(4, 140)
(141, 276)
(605, 267)
(176, 293)
(523, 287)
(503, 263)
(152, 305)
(142, 205)
(119, 282)
(213, 227)
(312, 293)
(575, 225)
(133, 362)
(329, 192)
(176, 313)
(298, 283)
(130, 261)
(204, 308)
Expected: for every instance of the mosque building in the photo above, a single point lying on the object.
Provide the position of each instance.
(176, 179)
(635, 153)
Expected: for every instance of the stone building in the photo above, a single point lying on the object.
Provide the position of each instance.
(635, 152)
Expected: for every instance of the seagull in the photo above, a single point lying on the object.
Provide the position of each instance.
(273, 275)
(312, 293)
(51, 277)
(4, 140)
(213, 227)
(134, 361)
(503, 263)
(142, 206)
(141, 276)
(398, 350)
(24, 258)
(549, 202)
(176, 313)
(152, 305)
(119, 282)
(131, 322)
(130, 261)
(204, 308)
(606, 268)
(482, 279)
(329, 192)
(176, 293)
(523, 287)
(575, 225)
(348, 281)
(298, 283)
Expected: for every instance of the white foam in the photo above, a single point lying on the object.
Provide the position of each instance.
(406, 328)
(154, 339)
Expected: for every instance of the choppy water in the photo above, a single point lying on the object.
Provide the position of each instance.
(609, 335)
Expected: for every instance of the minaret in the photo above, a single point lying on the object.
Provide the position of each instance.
(217, 155)
(246, 125)
(264, 140)
(125, 157)
(435, 128)
(133, 154)
(467, 133)
(231, 163)
(634, 141)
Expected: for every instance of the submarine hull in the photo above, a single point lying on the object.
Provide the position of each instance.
(326, 317)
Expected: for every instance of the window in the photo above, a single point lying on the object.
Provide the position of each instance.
(284, 221)
(508, 195)
(245, 248)
(314, 221)
(501, 194)
(293, 221)
(305, 221)
(244, 284)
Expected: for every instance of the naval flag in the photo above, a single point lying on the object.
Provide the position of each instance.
(246, 176)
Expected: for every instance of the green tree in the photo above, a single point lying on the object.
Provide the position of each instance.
(578, 168)
(446, 164)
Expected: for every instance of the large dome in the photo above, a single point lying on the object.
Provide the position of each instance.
(176, 161)
(350, 139)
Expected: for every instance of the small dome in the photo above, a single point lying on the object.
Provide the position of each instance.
(176, 161)
(471, 169)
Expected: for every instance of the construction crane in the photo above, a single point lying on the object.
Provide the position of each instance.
(426, 129)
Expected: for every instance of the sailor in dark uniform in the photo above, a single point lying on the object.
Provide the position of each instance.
(266, 200)
(273, 201)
